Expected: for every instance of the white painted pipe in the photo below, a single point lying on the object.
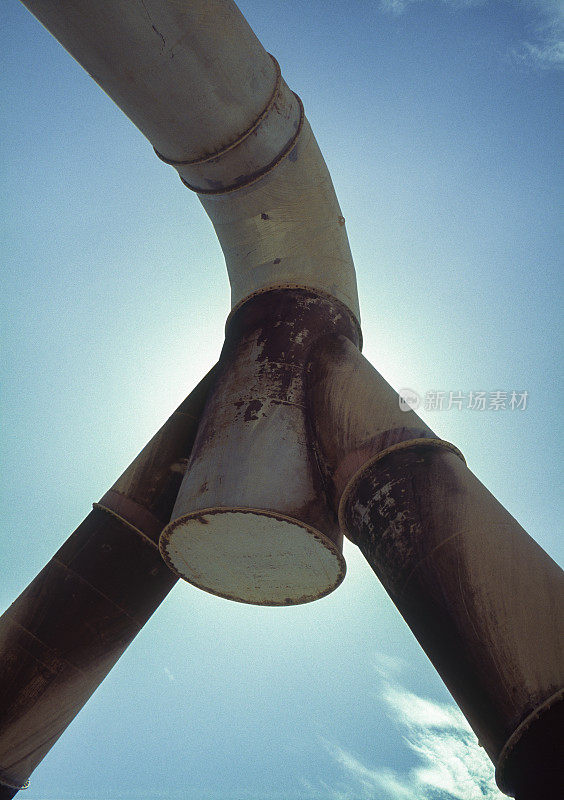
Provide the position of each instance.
(190, 74)
(195, 80)
(286, 229)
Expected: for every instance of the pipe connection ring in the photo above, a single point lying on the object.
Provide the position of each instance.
(246, 160)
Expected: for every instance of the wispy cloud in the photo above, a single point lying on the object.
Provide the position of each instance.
(169, 675)
(452, 761)
(545, 48)
(452, 765)
(399, 6)
(542, 47)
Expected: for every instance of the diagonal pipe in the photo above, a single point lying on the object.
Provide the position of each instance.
(69, 627)
(482, 598)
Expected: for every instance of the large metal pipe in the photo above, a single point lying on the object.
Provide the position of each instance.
(252, 522)
(193, 77)
(190, 75)
(483, 599)
(66, 631)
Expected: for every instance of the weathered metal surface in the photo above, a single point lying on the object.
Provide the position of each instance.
(483, 599)
(456, 564)
(268, 140)
(479, 594)
(66, 631)
(251, 521)
(62, 636)
(286, 229)
(199, 85)
(8, 789)
(531, 764)
(192, 76)
(253, 556)
(354, 412)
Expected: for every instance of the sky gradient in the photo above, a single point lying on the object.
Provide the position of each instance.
(440, 123)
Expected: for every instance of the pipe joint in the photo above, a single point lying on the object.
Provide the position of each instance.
(10, 784)
(369, 470)
(255, 152)
(252, 522)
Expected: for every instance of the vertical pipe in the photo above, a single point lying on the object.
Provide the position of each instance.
(251, 522)
(482, 598)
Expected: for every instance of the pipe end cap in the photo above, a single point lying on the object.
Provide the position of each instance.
(252, 556)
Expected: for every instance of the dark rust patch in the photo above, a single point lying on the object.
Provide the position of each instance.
(458, 567)
(252, 411)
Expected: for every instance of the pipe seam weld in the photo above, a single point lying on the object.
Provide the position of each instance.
(415, 444)
(302, 287)
(4, 781)
(255, 176)
(513, 741)
(236, 142)
(100, 507)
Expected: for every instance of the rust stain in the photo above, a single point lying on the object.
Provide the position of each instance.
(252, 412)
(259, 400)
(201, 518)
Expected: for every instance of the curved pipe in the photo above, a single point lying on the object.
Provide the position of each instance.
(170, 66)
(195, 80)
(286, 230)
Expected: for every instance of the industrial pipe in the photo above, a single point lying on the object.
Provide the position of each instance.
(252, 522)
(195, 80)
(66, 631)
(197, 83)
(482, 598)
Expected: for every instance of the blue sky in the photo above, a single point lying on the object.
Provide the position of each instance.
(440, 123)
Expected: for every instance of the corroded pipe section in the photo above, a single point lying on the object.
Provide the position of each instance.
(252, 522)
(256, 151)
(483, 599)
(65, 632)
(63, 635)
(479, 594)
(354, 411)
